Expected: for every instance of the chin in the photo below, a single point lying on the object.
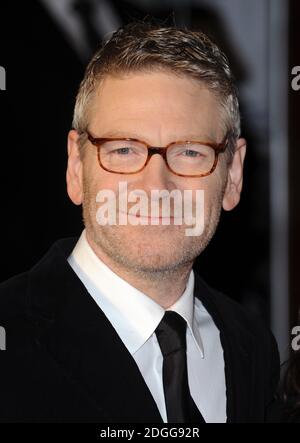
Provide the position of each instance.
(154, 265)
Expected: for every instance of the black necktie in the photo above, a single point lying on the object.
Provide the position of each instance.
(171, 335)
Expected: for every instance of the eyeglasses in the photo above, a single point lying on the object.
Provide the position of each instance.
(183, 158)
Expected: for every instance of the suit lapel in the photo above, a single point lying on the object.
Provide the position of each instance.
(238, 345)
(80, 338)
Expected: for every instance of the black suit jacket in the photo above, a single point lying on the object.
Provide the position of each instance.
(64, 362)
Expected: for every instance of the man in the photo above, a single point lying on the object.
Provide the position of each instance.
(116, 326)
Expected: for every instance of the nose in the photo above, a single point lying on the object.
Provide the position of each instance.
(156, 174)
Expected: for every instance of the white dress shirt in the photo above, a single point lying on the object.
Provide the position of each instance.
(135, 317)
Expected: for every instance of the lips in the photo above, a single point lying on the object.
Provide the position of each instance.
(149, 218)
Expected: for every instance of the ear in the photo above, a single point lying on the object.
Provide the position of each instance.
(235, 177)
(74, 169)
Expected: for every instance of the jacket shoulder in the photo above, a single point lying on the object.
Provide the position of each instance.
(15, 312)
(235, 314)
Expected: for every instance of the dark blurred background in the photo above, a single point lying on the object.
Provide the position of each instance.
(44, 48)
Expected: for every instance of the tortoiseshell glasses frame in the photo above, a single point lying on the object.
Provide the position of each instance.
(218, 148)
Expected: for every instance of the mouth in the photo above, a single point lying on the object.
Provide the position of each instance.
(151, 217)
(148, 218)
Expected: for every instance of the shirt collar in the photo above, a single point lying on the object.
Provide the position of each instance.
(132, 313)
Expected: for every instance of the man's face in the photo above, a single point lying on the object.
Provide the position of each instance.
(157, 108)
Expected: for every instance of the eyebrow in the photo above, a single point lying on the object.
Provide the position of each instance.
(130, 134)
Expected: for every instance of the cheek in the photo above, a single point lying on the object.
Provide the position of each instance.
(218, 181)
(95, 177)
(90, 164)
(212, 185)
(213, 188)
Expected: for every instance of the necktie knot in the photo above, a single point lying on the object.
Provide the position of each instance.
(171, 333)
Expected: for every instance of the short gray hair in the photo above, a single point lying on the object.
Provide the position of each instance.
(143, 46)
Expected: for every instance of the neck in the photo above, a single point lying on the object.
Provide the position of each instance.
(164, 287)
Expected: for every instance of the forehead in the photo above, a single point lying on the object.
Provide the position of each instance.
(156, 101)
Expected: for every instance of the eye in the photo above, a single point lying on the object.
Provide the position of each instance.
(122, 151)
(122, 148)
(191, 153)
